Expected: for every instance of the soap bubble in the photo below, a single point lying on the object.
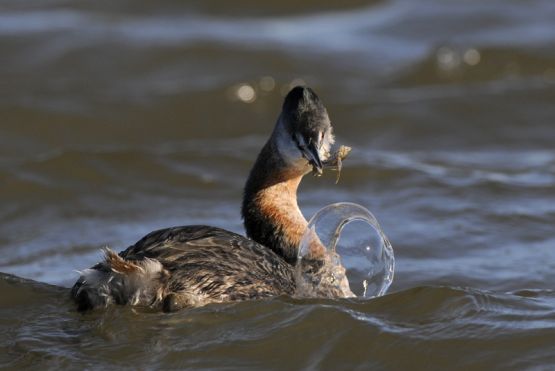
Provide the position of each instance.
(344, 253)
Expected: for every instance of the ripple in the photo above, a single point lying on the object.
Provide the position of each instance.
(527, 168)
(448, 107)
(297, 333)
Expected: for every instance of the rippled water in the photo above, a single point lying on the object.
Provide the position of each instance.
(120, 118)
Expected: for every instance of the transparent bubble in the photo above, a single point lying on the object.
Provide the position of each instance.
(344, 253)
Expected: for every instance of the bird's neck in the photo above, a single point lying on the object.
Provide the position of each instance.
(270, 211)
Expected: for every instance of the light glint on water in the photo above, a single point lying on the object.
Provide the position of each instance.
(355, 246)
(246, 93)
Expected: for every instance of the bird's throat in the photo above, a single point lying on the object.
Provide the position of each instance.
(270, 210)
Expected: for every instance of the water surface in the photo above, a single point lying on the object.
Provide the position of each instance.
(120, 118)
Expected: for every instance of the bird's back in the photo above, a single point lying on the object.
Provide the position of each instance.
(186, 266)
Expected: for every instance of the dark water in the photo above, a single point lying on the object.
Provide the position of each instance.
(118, 118)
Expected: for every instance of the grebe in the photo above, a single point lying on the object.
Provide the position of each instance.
(195, 265)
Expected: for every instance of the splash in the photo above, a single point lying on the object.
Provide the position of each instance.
(344, 253)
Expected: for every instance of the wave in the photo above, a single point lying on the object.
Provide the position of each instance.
(512, 330)
(387, 29)
(518, 168)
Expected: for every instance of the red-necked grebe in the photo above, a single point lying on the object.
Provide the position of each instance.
(194, 265)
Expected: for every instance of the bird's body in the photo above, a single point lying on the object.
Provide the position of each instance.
(187, 267)
(192, 266)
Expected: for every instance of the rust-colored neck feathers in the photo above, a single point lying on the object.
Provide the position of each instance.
(270, 211)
